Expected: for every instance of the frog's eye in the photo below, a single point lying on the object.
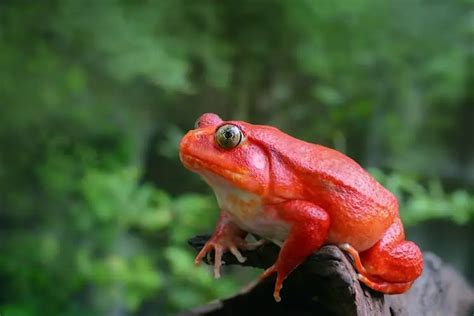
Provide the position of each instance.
(228, 136)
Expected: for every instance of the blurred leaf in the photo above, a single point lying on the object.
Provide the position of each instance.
(419, 203)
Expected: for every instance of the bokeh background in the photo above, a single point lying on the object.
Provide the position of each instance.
(95, 207)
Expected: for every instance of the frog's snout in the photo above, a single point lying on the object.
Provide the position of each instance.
(190, 141)
(184, 145)
(192, 146)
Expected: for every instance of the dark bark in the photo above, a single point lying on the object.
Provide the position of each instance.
(326, 284)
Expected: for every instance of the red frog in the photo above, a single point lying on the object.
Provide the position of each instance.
(300, 196)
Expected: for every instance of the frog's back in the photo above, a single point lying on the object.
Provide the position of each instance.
(360, 208)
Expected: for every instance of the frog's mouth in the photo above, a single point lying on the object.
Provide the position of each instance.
(190, 162)
(205, 167)
(195, 164)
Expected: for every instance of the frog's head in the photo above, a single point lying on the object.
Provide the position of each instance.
(226, 153)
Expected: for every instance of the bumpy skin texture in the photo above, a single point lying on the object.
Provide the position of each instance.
(300, 196)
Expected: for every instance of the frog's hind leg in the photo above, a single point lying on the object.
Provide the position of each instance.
(391, 265)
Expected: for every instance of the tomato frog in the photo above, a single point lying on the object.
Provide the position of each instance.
(300, 196)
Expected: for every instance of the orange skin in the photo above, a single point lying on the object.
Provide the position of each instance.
(300, 196)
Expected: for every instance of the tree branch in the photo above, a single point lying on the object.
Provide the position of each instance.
(326, 284)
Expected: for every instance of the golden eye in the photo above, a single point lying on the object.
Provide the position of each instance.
(228, 136)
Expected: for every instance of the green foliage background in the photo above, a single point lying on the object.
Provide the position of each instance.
(95, 208)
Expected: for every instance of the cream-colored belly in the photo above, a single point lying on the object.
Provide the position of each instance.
(246, 210)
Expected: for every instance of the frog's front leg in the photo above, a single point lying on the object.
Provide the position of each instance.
(309, 226)
(226, 236)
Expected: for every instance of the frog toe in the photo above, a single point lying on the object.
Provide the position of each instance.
(237, 254)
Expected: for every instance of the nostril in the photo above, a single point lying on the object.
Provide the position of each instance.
(196, 135)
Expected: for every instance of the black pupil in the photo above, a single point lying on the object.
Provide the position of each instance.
(228, 134)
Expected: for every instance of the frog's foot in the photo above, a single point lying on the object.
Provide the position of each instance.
(252, 245)
(221, 244)
(278, 283)
(355, 256)
(383, 286)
